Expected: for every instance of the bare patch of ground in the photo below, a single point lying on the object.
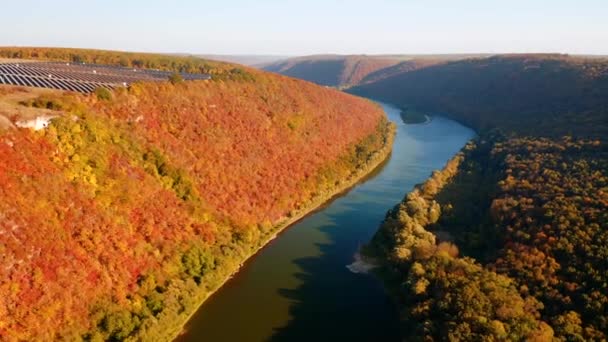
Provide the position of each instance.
(12, 111)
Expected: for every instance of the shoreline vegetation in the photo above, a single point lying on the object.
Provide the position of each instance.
(432, 283)
(480, 233)
(373, 162)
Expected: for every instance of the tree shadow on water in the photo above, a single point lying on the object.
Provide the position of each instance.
(332, 303)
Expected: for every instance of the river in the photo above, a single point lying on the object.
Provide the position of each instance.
(298, 287)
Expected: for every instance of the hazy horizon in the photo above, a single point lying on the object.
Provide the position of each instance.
(291, 28)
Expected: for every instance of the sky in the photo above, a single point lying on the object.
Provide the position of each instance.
(305, 27)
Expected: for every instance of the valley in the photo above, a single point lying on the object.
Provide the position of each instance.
(299, 287)
(158, 210)
(518, 216)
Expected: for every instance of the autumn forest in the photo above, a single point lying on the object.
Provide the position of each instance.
(122, 215)
(508, 241)
(133, 204)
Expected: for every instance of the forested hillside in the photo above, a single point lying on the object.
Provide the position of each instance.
(533, 94)
(508, 242)
(345, 71)
(122, 215)
(334, 71)
(396, 69)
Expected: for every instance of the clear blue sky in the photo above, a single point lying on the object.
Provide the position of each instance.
(289, 27)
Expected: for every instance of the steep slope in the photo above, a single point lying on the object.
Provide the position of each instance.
(124, 214)
(399, 68)
(509, 240)
(332, 70)
(345, 71)
(546, 93)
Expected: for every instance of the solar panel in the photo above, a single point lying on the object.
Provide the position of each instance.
(83, 78)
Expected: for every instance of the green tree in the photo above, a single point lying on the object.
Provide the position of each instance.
(175, 78)
(103, 94)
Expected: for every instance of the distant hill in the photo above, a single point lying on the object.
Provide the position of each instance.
(345, 71)
(332, 70)
(399, 68)
(249, 60)
(558, 94)
(165, 62)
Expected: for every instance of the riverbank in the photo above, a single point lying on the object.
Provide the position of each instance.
(374, 161)
(424, 272)
(289, 288)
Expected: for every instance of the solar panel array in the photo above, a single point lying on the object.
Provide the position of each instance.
(83, 78)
